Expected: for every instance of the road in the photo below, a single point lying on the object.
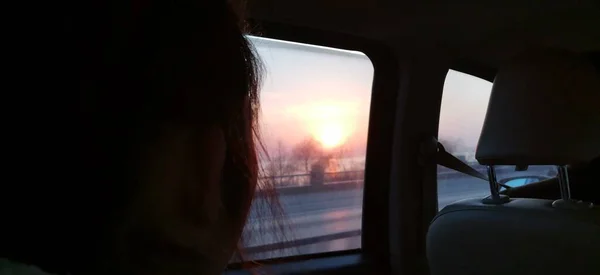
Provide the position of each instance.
(310, 218)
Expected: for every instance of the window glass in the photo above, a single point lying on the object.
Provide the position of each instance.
(464, 104)
(315, 110)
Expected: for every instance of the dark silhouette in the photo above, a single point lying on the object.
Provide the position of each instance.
(158, 168)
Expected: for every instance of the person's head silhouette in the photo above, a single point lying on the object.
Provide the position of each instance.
(164, 164)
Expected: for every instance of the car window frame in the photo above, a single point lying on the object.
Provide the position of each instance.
(374, 240)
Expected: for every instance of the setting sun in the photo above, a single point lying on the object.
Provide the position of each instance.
(329, 123)
(330, 135)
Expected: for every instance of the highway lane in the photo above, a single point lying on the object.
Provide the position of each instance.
(320, 214)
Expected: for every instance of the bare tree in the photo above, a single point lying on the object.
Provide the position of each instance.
(342, 155)
(281, 162)
(279, 165)
(306, 151)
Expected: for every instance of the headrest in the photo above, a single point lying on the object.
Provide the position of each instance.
(544, 109)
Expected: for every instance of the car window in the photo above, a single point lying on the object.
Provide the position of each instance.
(315, 109)
(464, 104)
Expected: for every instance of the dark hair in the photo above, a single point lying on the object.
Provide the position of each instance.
(140, 65)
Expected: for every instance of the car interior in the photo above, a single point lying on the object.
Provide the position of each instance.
(400, 137)
(541, 60)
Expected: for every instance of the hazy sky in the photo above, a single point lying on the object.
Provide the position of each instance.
(464, 104)
(324, 93)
